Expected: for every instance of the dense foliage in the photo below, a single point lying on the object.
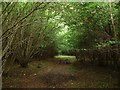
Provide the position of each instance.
(32, 29)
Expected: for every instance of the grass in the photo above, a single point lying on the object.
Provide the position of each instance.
(65, 57)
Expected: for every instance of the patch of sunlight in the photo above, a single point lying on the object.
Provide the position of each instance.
(63, 31)
(65, 57)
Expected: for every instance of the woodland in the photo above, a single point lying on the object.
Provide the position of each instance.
(60, 44)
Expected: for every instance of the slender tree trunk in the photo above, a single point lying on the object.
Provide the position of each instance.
(112, 21)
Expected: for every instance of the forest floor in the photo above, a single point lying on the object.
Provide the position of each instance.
(49, 74)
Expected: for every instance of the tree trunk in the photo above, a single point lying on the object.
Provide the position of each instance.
(112, 21)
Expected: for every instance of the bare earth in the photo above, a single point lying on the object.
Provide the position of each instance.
(49, 74)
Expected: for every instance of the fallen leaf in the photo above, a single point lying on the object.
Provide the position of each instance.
(35, 74)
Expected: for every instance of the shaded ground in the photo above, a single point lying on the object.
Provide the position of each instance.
(49, 74)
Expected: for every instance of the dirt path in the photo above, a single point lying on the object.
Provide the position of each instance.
(53, 75)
